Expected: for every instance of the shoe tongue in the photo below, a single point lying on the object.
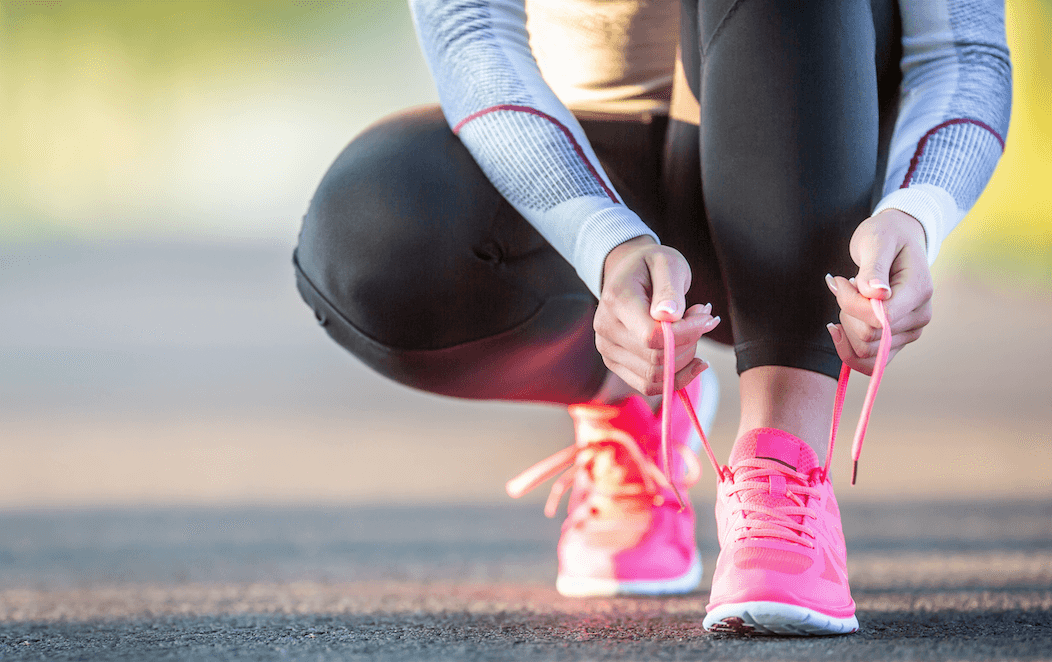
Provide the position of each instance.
(775, 445)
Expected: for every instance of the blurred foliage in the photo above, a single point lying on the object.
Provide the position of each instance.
(1008, 233)
(131, 117)
(210, 117)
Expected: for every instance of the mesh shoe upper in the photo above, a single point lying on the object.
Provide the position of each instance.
(779, 528)
(623, 521)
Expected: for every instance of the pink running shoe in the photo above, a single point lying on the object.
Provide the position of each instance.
(782, 567)
(625, 533)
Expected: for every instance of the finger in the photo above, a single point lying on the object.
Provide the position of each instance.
(847, 353)
(649, 365)
(648, 370)
(852, 302)
(669, 281)
(858, 335)
(631, 378)
(697, 322)
(868, 351)
(840, 342)
(874, 255)
(689, 373)
(683, 377)
(640, 328)
(911, 282)
(865, 332)
(687, 332)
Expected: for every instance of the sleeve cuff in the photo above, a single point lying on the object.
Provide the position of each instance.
(934, 207)
(601, 232)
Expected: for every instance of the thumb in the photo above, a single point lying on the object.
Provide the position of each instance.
(874, 255)
(668, 301)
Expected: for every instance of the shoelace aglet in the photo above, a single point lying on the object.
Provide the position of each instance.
(854, 471)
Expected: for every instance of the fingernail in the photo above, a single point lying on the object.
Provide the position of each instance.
(713, 322)
(878, 284)
(707, 308)
(667, 307)
(833, 331)
(699, 368)
(831, 283)
(851, 280)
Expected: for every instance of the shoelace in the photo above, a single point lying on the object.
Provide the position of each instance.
(594, 436)
(576, 457)
(764, 521)
(780, 522)
(883, 349)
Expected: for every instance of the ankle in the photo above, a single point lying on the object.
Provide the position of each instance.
(793, 400)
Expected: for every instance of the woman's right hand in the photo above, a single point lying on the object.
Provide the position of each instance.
(643, 284)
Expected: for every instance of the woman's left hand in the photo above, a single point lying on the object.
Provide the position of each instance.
(889, 249)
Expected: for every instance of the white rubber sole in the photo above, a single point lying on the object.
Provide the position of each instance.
(775, 618)
(586, 587)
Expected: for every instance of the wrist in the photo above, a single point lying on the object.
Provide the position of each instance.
(906, 226)
(618, 253)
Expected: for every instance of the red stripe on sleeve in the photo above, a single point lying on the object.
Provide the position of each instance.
(923, 142)
(562, 127)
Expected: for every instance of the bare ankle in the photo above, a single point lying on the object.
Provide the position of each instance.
(791, 399)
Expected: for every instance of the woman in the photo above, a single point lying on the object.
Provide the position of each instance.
(464, 251)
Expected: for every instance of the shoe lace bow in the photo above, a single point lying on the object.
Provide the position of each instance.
(607, 459)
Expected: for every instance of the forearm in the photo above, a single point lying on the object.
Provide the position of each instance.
(524, 139)
(953, 119)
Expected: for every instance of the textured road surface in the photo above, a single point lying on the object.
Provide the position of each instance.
(933, 581)
(147, 389)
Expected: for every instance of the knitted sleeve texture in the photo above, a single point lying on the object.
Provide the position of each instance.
(524, 139)
(949, 135)
(954, 111)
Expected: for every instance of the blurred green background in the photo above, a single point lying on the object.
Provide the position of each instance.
(156, 158)
(201, 118)
(215, 119)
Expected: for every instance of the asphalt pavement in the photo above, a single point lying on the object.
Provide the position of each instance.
(933, 581)
(189, 462)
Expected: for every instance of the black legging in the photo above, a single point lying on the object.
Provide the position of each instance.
(412, 261)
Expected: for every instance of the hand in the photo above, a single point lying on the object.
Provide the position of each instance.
(643, 284)
(889, 249)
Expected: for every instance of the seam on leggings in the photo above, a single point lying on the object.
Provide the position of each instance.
(719, 28)
(404, 350)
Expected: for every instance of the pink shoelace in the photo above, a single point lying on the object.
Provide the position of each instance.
(571, 458)
(883, 349)
(761, 520)
(593, 453)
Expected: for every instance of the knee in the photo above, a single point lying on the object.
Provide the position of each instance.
(383, 237)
